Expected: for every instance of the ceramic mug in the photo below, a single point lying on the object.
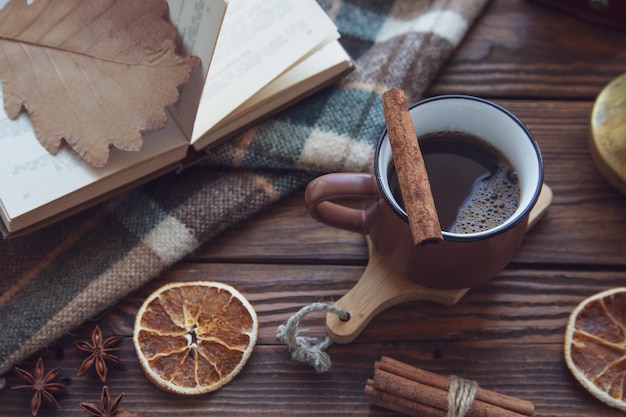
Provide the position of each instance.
(461, 260)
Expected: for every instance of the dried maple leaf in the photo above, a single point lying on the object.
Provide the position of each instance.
(94, 73)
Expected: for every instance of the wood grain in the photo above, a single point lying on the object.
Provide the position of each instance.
(522, 50)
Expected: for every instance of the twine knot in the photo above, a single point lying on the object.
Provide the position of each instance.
(461, 394)
(309, 349)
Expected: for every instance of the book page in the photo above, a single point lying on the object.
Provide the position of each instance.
(326, 59)
(31, 178)
(198, 24)
(323, 66)
(258, 42)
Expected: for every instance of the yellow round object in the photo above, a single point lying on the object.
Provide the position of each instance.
(595, 346)
(194, 337)
(608, 133)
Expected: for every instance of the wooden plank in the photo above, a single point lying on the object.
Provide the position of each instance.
(523, 50)
(524, 306)
(272, 385)
(585, 207)
(285, 230)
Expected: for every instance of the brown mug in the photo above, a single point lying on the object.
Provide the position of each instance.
(461, 260)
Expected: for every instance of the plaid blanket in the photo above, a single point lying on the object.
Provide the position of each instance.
(54, 279)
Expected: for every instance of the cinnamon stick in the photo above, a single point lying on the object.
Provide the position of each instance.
(420, 375)
(410, 169)
(413, 391)
(399, 404)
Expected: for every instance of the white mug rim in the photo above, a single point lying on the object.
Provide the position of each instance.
(511, 222)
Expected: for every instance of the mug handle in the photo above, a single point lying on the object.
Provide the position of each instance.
(323, 193)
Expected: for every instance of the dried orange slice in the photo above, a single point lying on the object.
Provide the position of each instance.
(194, 337)
(595, 346)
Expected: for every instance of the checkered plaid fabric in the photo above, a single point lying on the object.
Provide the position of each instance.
(54, 279)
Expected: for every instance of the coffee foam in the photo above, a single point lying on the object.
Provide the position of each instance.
(492, 201)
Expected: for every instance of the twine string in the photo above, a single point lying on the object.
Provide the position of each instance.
(309, 349)
(461, 394)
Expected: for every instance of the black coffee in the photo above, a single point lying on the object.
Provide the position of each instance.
(474, 186)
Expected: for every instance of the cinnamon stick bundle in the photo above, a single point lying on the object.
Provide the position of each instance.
(410, 168)
(413, 391)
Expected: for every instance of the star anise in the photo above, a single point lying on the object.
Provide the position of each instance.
(108, 409)
(41, 383)
(98, 353)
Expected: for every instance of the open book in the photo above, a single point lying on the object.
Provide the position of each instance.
(257, 57)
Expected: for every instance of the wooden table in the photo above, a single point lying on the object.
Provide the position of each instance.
(507, 335)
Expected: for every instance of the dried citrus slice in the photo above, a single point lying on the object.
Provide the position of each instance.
(595, 346)
(194, 337)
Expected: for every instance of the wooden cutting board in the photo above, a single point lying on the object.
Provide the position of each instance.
(380, 288)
